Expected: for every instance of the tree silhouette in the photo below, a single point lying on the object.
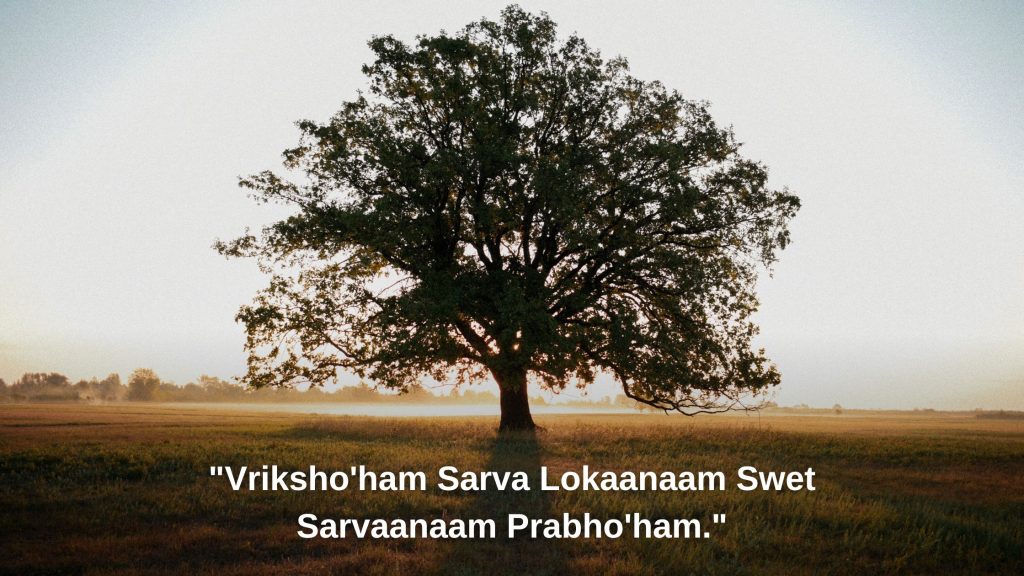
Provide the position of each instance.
(505, 203)
(143, 385)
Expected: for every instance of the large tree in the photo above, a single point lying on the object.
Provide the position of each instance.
(504, 203)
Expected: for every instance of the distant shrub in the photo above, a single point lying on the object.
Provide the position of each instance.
(1001, 415)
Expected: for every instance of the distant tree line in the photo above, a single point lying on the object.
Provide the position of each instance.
(144, 385)
(42, 386)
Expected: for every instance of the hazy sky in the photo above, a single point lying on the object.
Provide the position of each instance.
(123, 127)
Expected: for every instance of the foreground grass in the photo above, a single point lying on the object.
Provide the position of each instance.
(125, 490)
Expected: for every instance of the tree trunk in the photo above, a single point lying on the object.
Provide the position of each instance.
(515, 404)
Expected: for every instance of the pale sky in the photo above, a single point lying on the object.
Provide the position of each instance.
(124, 126)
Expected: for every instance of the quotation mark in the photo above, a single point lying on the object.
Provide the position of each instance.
(717, 519)
(216, 470)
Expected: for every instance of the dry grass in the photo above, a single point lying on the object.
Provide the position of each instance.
(124, 490)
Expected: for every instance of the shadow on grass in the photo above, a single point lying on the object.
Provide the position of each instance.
(510, 452)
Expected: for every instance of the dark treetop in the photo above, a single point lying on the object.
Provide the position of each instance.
(503, 202)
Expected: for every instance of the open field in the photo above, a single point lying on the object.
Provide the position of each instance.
(124, 489)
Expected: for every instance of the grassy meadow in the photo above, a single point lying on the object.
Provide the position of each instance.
(125, 489)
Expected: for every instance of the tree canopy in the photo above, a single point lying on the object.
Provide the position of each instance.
(502, 202)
